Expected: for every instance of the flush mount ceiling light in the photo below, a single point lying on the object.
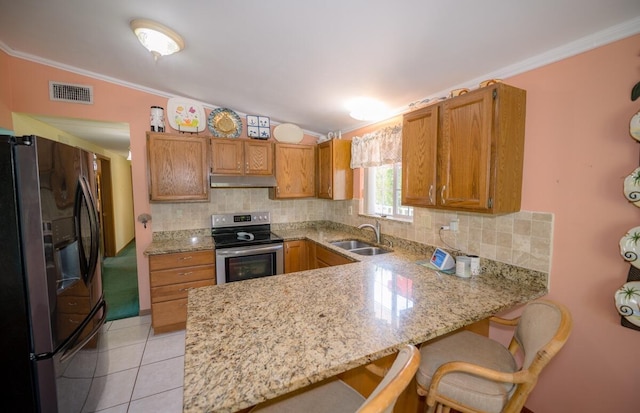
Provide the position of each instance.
(364, 108)
(157, 38)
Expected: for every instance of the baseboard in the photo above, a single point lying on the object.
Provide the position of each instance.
(148, 312)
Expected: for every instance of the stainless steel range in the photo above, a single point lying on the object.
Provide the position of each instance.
(245, 246)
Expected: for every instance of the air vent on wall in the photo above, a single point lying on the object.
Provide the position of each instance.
(67, 92)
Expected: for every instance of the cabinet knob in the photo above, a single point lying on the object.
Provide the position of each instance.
(186, 258)
(246, 166)
(329, 190)
(431, 194)
(184, 274)
(442, 194)
(238, 167)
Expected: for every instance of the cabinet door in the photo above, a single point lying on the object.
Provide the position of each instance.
(295, 171)
(178, 167)
(419, 156)
(325, 257)
(325, 167)
(464, 157)
(227, 156)
(258, 158)
(335, 176)
(295, 256)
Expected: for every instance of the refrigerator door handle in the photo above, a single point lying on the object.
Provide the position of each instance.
(88, 267)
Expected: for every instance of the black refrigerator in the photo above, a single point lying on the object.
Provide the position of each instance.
(51, 301)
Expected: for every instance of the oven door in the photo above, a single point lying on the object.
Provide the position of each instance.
(243, 263)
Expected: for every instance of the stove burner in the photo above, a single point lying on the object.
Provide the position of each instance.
(242, 229)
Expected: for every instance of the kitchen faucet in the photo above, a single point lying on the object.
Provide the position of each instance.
(375, 229)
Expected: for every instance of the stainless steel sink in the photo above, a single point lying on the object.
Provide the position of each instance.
(351, 244)
(369, 251)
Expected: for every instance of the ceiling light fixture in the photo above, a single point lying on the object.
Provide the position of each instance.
(364, 108)
(157, 38)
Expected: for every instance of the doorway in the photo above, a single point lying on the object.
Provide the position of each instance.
(105, 206)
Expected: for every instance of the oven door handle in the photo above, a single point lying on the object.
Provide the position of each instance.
(250, 250)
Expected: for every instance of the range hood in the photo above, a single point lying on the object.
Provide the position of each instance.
(244, 181)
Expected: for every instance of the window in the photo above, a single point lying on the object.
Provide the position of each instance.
(383, 192)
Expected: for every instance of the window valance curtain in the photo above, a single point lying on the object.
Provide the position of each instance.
(382, 147)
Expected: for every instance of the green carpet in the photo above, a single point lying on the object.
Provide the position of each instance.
(120, 284)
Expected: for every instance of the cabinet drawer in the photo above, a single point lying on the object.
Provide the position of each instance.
(180, 259)
(182, 275)
(176, 291)
(169, 315)
(330, 258)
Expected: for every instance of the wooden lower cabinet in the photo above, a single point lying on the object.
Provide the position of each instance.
(327, 258)
(172, 275)
(296, 256)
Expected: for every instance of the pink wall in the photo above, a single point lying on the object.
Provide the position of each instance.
(578, 151)
(5, 92)
(30, 94)
(24, 88)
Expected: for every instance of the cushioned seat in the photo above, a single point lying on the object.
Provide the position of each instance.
(481, 394)
(335, 396)
(473, 373)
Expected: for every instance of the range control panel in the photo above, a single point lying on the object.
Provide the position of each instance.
(240, 219)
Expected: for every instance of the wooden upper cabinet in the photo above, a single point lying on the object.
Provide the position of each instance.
(241, 157)
(295, 171)
(258, 158)
(419, 156)
(480, 149)
(178, 167)
(335, 176)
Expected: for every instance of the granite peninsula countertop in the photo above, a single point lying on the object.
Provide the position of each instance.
(250, 341)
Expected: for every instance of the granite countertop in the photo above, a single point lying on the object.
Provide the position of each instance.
(250, 341)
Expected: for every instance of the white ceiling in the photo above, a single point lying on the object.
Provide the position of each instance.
(301, 61)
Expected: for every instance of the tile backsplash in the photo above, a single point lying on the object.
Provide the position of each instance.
(523, 238)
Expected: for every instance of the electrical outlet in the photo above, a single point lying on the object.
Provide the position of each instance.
(350, 209)
(179, 213)
(453, 225)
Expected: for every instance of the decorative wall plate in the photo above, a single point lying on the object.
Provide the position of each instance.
(632, 187)
(288, 133)
(628, 301)
(185, 115)
(630, 246)
(224, 123)
(634, 126)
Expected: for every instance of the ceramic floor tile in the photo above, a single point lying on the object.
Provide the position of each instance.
(129, 322)
(163, 348)
(112, 390)
(125, 345)
(121, 408)
(119, 359)
(124, 336)
(166, 402)
(159, 377)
